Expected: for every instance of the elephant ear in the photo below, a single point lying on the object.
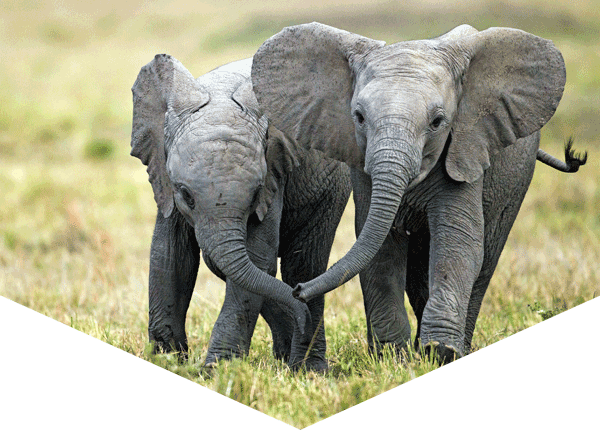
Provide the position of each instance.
(282, 156)
(162, 86)
(512, 84)
(303, 79)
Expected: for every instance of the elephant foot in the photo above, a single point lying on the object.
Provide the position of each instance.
(282, 355)
(179, 348)
(208, 368)
(311, 364)
(442, 353)
(395, 350)
(213, 357)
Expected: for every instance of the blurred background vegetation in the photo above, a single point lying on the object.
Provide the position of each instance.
(77, 212)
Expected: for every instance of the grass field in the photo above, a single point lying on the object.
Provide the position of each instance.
(77, 211)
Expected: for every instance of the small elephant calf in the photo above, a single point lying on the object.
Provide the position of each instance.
(230, 184)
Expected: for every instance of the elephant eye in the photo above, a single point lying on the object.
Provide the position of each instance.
(360, 119)
(186, 196)
(437, 121)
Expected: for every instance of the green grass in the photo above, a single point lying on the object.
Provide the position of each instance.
(77, 211)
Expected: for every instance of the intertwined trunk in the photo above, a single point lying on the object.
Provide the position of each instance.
(392, 164)
(227, 250)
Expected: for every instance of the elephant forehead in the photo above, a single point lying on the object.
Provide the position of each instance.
(214, 129)
(419, 60)
(220, 120)
(223, 112)
(216, 158)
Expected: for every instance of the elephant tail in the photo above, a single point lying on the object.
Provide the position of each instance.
(572, 160)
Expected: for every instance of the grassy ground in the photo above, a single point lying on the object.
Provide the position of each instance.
(77, 211)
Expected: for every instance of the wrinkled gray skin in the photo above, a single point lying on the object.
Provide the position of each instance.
(442, 136)
(229, 184)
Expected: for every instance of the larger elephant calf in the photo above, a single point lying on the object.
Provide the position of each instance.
(442, 136)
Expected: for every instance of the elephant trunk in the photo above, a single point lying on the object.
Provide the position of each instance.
(227, 250)
(391, 171)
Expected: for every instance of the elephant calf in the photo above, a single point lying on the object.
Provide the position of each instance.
(230, 184)
(442, 136)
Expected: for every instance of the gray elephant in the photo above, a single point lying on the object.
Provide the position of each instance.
(228, 183)
(442, 136)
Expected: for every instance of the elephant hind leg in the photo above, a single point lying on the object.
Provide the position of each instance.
(315, 198)
(303, 262)
(495, 238)
(282, 329)
(417, 277)
(383, 281)
(383, 284)
(304, 257)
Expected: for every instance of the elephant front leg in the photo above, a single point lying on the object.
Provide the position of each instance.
(456, 255)
(383, 281)
(174, 261)
(232, 332)
(383, 284)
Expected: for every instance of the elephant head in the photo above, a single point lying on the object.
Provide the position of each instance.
(393, 109)
(213, 158)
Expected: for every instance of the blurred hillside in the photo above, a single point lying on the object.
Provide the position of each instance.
(67, 66)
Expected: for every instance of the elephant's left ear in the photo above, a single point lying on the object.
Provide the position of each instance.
(282, 156)
(163, 85)
(512, 84)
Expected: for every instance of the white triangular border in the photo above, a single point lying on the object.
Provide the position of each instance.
(543, 377)
(53, 376)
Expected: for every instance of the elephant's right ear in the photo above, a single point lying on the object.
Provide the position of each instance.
(303, 79)
(162, 85)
